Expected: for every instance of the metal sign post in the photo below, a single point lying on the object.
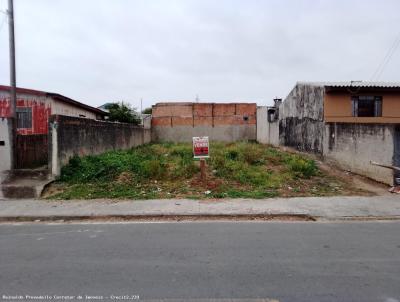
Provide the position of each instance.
(201, 151)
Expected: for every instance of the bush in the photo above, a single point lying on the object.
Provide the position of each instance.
(301, 166)
(253, 154)
(153, 169)
(183, 151)
(232, 154)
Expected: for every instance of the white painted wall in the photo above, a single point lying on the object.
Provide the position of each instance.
(59, 107)
(6, 150)
(267, 133)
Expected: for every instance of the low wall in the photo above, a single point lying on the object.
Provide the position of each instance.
(223, 133)
(69, 136)
(353, 146)
(179, 122)
(5, 146)
(267, 132)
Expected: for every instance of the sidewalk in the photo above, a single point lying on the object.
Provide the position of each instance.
(331, 208)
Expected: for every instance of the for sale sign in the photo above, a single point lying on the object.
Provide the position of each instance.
(200, 147)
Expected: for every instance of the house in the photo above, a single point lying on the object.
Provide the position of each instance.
(34, 108)
(349, 123)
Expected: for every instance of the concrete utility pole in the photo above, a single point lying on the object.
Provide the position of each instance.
(13, 81)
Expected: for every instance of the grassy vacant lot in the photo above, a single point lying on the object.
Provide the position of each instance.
(168, 170)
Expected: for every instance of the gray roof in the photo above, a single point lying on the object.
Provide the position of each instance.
(349, 84)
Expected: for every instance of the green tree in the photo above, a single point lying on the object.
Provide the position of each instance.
(123, 112)
(147, 110)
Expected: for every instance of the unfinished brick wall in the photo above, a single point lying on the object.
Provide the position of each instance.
(220, 121)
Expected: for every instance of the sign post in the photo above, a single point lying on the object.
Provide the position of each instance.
(201, 151)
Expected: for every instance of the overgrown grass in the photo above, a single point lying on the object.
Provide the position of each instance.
(240, 169)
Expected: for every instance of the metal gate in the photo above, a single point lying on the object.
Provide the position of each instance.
(32, 151)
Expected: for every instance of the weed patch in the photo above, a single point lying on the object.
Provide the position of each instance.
(235, 170)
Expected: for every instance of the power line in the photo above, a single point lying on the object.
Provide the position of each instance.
(381, 67)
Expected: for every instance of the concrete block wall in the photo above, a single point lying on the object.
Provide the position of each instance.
(69, 136)
(301, 121)
(353, 146)
(179, 122)
(5, 146)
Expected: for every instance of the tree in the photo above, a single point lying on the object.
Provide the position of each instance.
(122, 112)
(147, 110)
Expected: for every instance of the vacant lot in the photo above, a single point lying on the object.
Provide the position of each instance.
(168, 170)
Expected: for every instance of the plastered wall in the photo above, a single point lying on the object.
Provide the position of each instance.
(69, 136)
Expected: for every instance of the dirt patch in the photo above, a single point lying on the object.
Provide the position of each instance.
(125, 178)
(52, 189)
(355, 184)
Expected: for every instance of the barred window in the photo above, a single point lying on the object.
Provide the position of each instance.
(366, 106)
(24, 117)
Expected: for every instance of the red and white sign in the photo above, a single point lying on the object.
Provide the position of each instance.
(200, 147)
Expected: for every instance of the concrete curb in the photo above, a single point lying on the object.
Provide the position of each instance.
(169, 217)
(193, 217)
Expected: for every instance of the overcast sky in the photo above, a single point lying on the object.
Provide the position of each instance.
(98, 51)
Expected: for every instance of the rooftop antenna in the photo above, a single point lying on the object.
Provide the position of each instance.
(197, 98)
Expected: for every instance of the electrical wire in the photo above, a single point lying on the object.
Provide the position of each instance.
(381, 67)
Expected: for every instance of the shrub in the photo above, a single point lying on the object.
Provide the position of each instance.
(185, 167)
(252, 153)
(183, 151)
(152, 169)
(232, 154)
(301, 166)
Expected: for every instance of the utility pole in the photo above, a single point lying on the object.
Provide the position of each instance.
(13, 81)
(141, 112)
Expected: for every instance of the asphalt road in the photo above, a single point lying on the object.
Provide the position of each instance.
(210, 260)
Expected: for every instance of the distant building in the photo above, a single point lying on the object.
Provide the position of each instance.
(34, 108)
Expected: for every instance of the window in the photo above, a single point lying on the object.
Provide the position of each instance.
(24, 117)
(367, 106)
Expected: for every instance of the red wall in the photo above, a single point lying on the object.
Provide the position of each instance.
(41, 111)
(203, 114)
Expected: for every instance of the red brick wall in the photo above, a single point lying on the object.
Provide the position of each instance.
(203, 114)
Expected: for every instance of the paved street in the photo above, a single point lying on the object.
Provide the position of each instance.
(293, 261)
